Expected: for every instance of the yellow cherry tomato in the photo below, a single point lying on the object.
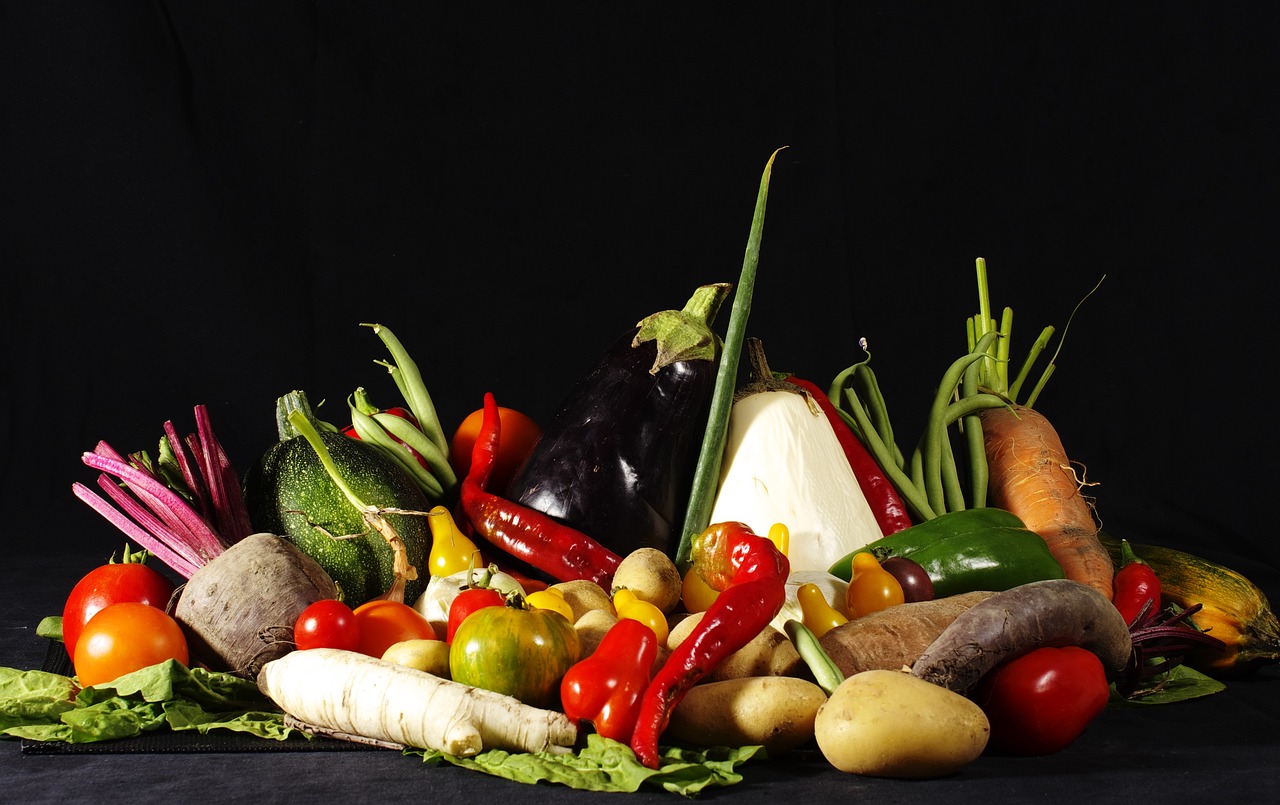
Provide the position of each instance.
(550, 599)
(695, 593)
(871, 587)
(628, 605)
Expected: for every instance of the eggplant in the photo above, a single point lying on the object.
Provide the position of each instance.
(617, 459)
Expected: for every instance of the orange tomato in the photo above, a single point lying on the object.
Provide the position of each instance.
(126, 637)
(517, 435)
(383, 623)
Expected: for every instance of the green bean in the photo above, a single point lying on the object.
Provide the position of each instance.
(907, 487)
(409, 380)
(1041, 343)
(371, 431)
(935, 430)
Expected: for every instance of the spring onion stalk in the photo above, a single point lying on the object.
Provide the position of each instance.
(706, 475)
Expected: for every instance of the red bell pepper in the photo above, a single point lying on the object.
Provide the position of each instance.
(750, 574)
(605, 688)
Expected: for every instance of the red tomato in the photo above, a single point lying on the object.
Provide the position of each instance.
(383, 623)
(467, 602)
(517, 435)
(1042, 701)
(111, 584)
(126, 637)
(328, 623)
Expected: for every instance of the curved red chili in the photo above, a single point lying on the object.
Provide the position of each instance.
(538, 540)
(750, 574)
(886, 504)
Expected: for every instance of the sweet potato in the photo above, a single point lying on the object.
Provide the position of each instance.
(894, 637)
(1056, 612)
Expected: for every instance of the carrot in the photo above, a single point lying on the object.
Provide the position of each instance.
(365, 698)
(1027, 468)
(1030, 476)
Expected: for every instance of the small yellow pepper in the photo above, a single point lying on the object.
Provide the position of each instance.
(451, 550)
(817, 612)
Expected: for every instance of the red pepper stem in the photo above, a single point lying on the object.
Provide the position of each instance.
(750, 573)
(535, 538)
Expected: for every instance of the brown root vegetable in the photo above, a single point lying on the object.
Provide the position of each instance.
(895, 637)
(1057, 612)
(238, 610)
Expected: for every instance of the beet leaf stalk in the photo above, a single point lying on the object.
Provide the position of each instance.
(186, 508)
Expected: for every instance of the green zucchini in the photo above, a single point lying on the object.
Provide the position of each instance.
(289, 492)
(967, 550)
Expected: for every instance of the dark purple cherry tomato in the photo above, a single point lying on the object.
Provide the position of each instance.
(915, 581)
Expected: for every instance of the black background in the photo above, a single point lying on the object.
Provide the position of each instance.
(203, 201)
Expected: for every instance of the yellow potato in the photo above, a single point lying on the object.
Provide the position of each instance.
(652, 576)
(884, 723)
(776, 712)
(431, 656)
(584, 595)
(591, 628)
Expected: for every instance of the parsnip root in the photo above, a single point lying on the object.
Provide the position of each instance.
(360, 695)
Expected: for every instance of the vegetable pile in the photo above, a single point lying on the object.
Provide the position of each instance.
(680, 573)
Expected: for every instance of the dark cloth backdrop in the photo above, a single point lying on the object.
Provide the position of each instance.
(204, 201)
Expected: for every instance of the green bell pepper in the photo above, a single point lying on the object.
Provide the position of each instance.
(973, 549)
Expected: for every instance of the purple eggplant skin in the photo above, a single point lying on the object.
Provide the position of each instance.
(617, 460)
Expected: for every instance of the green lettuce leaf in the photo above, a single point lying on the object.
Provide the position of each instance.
(608, 765)
(41, 706)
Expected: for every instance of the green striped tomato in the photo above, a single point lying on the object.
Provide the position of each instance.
(520, 652)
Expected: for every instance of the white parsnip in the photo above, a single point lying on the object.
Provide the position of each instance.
(361, 695)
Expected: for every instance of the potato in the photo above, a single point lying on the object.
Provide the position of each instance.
(431, 656)
(652, 576)
(770, 653)
(591, 628)
(584, 595)
(776, 712)
(892, 724)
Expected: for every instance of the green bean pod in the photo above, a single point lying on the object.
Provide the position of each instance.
(963, 551)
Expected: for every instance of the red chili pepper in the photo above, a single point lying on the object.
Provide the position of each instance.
(886, 504)
(750, 574)
(605, 688)
(534, 538)
(1136, 586)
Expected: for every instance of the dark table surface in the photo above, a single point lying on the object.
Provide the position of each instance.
(1193, 751)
